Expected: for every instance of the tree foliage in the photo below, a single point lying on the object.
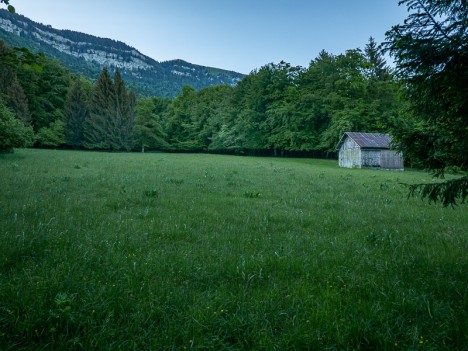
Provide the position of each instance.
(51, 136)
(9, 7)
(75, 114)
(149, 132)
(110, 122)
(278, 109)
(13, 132)
(99, 127)
(10, 87)
(447, 193)
(49, 94)
(431, 52)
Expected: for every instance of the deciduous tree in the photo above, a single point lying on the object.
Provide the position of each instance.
(13, 132)
(149, 132)
(9, 7)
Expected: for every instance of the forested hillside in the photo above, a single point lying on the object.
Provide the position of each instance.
(85, 55)
(278, 109)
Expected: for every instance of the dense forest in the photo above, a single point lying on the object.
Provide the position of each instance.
(277, 109)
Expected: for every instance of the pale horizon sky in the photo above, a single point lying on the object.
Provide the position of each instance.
(240, 35)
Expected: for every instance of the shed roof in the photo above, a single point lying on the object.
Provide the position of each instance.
(368, 140)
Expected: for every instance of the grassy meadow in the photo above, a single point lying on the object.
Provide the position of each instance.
(155, 251)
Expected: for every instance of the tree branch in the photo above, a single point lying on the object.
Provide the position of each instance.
(446, 192)
(436, 24)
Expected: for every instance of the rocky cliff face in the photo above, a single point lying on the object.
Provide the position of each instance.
(87, 54)
(128, 59)
(125, 59)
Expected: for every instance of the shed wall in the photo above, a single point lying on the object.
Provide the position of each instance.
(370, 158)
(349, 155)
(391, 159)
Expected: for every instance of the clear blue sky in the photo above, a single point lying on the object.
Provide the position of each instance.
(238, 35)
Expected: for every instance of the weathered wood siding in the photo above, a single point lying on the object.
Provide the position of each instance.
(349, 155)
(391, 159)
(370, 158)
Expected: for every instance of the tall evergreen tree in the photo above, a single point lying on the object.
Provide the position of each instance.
(111, 120)
(124, 119)
(99, 126)
(75, 113)
(120, 102)
(374, 55)
(431, 52)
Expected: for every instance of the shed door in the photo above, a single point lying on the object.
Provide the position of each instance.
(370, 158)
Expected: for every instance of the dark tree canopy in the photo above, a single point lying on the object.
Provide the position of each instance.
(374, 56)
(431, 52)
(9, 7)
(75, 113)
(13, 132)
(110, 121)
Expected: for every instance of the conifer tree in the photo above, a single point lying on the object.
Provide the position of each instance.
(375, 58)
(111, 117)
(75, 114)
(128, 122)
(124, 119)
(431, 53)
(98, 130)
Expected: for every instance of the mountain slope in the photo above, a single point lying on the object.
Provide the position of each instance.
(86, 54)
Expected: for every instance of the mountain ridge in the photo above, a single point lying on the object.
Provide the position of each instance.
(86, 54)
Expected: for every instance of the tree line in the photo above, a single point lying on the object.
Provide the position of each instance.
(277, 109)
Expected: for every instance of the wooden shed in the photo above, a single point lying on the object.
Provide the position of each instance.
(358, 150)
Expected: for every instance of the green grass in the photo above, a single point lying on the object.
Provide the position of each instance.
(109, 251)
